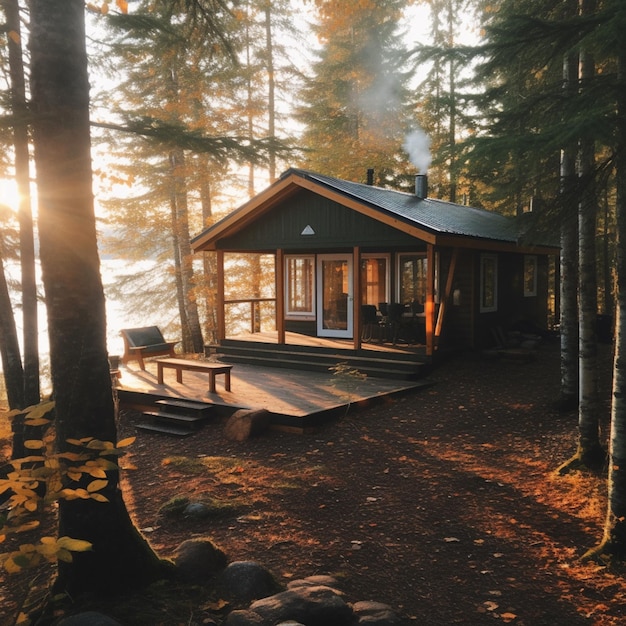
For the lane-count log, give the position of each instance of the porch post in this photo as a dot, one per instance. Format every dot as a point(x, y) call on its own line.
point(356, 297)
point(447, 294)
point(279, 305)
point(429, 308)
point(221, 313)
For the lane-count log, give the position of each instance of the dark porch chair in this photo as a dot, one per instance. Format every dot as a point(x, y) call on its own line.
point(370, 327)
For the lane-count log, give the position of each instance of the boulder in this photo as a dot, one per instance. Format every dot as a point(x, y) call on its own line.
point(313, 606)
point(314, 581)
point(246, 423)
point(197, 560)
point(375, 614)
point(244, 618)
point(245, 581)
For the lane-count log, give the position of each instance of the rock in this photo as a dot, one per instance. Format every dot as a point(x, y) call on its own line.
point(246, 423)
point(314, 581)
point(375, 614)
point(197, 560)
point(244, 618)
point(88, 618)
point(313, 606)
point(246, 581)
point(197, 510)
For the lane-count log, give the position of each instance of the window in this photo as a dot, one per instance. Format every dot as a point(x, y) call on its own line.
point(412, 278)
point(300, 286)
point(530, 275)
point(488, 283)
point(374, 279)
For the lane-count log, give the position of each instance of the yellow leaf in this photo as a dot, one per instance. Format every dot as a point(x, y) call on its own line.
point(64, 555)
point(30, 505)
point(74, 475)
point(126, 442)
point(98, 497)
point(22, 620)
point(37, 421)
point(75, 545)
point(97, 485)
point(48, 540)
point(2, 538)
point(11, 566)
point(122, 5)
point(33, 444)
point(26, 527)
point(38, 410)
point(98, 473)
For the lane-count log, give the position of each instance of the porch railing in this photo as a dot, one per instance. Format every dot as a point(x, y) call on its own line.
point(249, 317)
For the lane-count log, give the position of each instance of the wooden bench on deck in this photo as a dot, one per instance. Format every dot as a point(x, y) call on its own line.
point(147, 341)
point(180, 365)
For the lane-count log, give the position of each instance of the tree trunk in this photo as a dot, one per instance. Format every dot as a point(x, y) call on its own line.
point(614, 540)
point(569, 265)
point(192, 332)
point(120, 558)
point(589, 453)
point(271, 88)
point(11, 359)
point(22, 175)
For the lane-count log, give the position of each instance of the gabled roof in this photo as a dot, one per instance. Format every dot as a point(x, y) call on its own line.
point(427, 218)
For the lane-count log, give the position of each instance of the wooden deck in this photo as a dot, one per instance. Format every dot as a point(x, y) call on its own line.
point(297, 339)
point(299, 399)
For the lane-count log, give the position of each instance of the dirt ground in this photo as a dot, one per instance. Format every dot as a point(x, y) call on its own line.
point(442, 503)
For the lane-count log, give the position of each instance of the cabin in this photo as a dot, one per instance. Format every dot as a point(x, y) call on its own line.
point(369, 268)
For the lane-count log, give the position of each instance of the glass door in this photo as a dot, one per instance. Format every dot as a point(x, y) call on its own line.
point(334, 295)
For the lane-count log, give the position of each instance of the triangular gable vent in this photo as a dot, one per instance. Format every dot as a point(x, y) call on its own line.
point(308, 231)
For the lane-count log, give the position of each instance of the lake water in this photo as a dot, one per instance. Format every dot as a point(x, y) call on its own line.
point(117, 316)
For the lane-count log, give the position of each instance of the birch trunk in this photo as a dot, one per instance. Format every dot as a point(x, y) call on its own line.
point(613, 542)
point(569, 265)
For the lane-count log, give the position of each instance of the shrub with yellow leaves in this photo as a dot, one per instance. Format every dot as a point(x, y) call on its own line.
point(48, 476)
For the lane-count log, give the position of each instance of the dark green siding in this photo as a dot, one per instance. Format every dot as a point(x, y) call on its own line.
point(335, 226)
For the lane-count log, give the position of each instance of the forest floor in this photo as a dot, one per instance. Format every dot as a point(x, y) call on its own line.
point(443, 503)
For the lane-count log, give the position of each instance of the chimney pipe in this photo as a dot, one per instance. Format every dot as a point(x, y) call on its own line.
point(370, 176)
point(421, 186)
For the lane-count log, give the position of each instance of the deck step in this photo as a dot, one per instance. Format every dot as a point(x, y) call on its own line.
point(164, 416)
point(376, 372)
point(177, 417)
point(185, 407)
point(399, 365)
point(166, 429)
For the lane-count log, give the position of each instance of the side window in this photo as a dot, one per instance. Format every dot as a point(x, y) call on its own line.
point(300, 286)
point(488, 283)
point(530, 275)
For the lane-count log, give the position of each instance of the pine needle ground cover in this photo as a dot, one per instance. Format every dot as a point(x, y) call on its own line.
point(444, 503)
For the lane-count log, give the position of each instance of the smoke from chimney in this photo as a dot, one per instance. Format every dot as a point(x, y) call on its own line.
point(417, 146)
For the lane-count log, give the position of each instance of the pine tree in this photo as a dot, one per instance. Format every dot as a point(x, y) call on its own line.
point(355, 103)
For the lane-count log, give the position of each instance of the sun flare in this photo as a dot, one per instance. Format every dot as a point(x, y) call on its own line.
point(9, 195)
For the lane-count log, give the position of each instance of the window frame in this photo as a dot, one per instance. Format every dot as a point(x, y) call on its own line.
point(300, 314)
point(528, 260)
point(488, 258)
point(378, 255)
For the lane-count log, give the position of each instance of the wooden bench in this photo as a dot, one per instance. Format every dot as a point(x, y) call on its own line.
point(180, 365)
point(147, 341)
